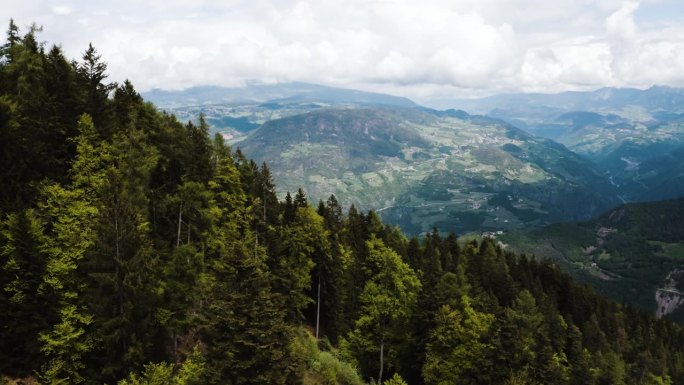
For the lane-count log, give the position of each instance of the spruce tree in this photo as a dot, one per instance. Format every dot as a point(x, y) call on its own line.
point(25, 311)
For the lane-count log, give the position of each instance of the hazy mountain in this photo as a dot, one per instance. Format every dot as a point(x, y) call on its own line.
point(635, 136)
point(234, 112)
point(261, 93)
point(634, 253)
point(422, 168)
point(655, 98)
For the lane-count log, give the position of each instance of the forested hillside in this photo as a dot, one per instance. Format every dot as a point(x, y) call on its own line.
point(632, 253)
point(134, 249)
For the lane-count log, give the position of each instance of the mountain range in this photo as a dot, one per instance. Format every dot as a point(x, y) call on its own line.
point(532, 159)
point(635, 136)
point(296, 92)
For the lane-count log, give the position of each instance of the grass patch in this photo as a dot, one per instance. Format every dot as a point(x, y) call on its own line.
point(670, 250)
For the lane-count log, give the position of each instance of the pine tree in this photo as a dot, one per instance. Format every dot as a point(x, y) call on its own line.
point(520, 327)
point(303, 241)
point(126, 101)
point(458, 349)
point(72, 212)
point(25, 311)
point(64, 104)
point(11, 178)
point(245, 328)
point(198, 167)
point(121, 290)
point(6, 51)
point(288, 209)
point(92, 72)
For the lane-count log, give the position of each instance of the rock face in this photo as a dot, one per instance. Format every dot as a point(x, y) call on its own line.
point(668, 297)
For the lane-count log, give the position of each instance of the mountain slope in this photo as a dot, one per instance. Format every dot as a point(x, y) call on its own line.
point(636, 136)
point(234, 112)
point(424, 168)
point(634, 253)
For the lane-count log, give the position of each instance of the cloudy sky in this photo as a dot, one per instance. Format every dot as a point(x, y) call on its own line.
point(421, 49)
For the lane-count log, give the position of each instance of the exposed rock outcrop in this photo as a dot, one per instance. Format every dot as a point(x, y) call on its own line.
point(669, 298)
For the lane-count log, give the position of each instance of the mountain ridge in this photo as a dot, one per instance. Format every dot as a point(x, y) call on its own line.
point(261, 93)
point(580, 100)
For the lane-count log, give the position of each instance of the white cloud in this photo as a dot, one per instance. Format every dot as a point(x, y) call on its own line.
point(62, 9)
point(621, 32)
point(418, 49)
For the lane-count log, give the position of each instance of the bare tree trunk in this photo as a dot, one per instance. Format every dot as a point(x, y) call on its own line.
point(318, 304)
point(117, 263)
point(175, 349)
point(256, 242)
point(382, 359)
point(180, 220)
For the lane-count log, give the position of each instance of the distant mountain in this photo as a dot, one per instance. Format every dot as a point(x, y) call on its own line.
point(635, 136)
point(634, 253)
point(234, 112)
point(656, 98)
point(275, 93)
point(422, 168)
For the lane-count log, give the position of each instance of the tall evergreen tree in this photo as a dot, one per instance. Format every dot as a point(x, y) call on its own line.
point(92, 72)
point(246, 321)
point(458, 349)
point(24, 311)
point(72, 212)
point(123, 259)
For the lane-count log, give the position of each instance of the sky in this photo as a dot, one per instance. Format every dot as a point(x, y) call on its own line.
point(425, 50)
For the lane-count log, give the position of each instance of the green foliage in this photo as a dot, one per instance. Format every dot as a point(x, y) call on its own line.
point(25, 310)
point(458, 347)
point(66, 346)
point(323, 367)
point(190, 372)
point(395, 380)
point(152, 374)
point(386, 302)
point(303, 241)
point(72, 213)
point(246, 324)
